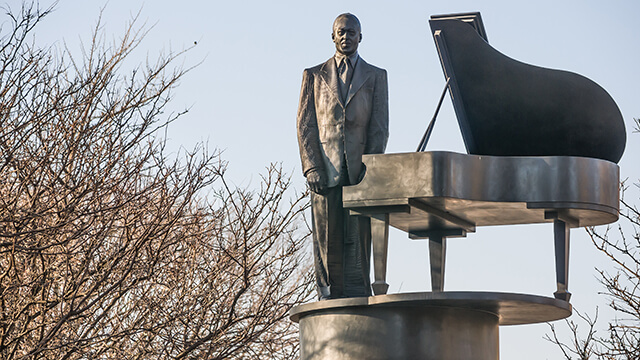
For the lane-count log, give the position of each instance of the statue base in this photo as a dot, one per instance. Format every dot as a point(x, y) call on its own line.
point(429, 325)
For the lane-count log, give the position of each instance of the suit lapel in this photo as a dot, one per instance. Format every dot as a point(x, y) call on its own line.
point(329, 75)
point(360, 76)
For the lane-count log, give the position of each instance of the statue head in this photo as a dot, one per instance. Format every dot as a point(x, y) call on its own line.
point(346, 33)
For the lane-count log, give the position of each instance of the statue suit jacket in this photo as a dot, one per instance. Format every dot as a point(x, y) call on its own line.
point(331, 131)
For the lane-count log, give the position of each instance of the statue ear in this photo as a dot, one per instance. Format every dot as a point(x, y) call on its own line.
point(360, 38)
point(333, 36)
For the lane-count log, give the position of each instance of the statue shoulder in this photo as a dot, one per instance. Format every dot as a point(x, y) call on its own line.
point(318, 68)
point(372, 67)
point(379, 72)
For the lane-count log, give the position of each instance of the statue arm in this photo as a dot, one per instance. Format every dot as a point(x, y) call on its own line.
point(308, 136)
point(378, 131)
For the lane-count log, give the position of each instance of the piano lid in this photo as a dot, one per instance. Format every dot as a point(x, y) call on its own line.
point(508, 108)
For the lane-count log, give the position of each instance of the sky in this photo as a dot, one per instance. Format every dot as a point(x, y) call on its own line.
point(243, 98)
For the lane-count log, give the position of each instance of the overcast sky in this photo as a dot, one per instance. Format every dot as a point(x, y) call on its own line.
point(244, 95)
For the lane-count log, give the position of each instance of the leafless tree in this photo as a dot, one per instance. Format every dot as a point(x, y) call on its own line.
point(622, 287)
point(581, 348)
point(110, 247)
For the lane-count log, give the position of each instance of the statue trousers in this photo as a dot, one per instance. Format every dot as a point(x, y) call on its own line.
point(341, 247)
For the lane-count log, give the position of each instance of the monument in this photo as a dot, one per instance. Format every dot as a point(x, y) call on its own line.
point(343, 114)
point(542, 147)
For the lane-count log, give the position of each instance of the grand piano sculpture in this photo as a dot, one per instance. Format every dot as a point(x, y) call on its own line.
point(542, 147)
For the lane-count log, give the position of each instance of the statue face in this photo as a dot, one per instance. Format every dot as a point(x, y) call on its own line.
point(346, 35)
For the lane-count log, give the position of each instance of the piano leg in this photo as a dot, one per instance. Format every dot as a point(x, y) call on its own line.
point(561, 238)
point(437, 252)
point(380, 242)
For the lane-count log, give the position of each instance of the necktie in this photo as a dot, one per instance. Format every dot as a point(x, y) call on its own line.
point(346, 73)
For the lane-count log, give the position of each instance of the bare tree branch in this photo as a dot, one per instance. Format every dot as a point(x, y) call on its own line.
point(109, 247)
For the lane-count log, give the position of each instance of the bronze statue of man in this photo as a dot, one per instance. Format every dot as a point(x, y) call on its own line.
point(343, 114)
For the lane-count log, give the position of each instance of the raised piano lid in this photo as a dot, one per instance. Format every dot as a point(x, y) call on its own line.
point(508, 108)
point(444, 190)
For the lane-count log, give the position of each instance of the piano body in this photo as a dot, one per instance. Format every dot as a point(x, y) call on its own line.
point(542, 147)
point(441, 194)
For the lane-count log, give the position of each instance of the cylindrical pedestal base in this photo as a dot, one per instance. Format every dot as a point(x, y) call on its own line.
point(417, 326)
point(400, 333)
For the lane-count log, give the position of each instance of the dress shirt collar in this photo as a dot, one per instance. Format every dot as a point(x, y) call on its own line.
point(353, 58)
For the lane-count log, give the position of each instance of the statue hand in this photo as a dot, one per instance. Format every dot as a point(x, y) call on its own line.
point(316, 182)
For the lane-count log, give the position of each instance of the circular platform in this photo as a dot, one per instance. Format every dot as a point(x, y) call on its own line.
point(510, 308)
point(428, 325)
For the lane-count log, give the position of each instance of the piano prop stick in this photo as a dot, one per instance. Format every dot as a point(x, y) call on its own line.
point(427, 134)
